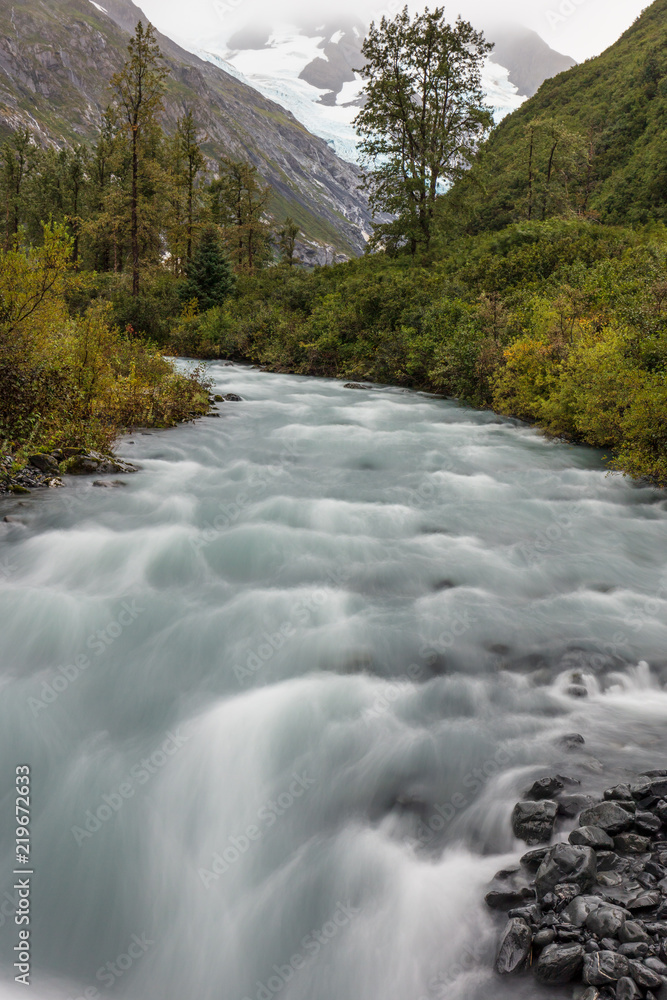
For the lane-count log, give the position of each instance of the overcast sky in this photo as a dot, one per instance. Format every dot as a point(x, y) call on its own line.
point(579, 28)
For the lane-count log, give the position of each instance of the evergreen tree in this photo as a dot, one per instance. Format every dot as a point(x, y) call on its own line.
point(287, 237)
point(239, 202)
point(137, 100)
point(210, 279)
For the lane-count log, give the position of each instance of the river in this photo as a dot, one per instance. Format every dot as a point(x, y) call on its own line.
point(279, 694)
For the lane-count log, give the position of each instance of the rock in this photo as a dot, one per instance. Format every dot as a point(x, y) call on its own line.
point(559, 964)
point(531, 914)
point(572, 805)
point(533, 822)
point(533, 859)
point(646, 822)
point(109, 484)
point(591, 836)
point(608, 944)
point(565, 893)
point(566, 863)
point(571, 741)
point(658, 785)
point(627, 990)
point(16, 488)
point(45, 463)
point(657, 966)
point(544, 937)
point(645, 901)
point(90, 463)
point(591, 994)
point(356, 385)
point(505, 899)
point(545, 788)
point(661, 811)
point(633, 930)
point(8, 519)
point(604, 967)
point(641, 787)
point(610, 816)
point(231, 397)
point(609, 879)
point(632, 843)
point(578, 910)
point(606, 921)
point(591, 946)
point(645, 977)
point(514, 948)
point(619, 792)
point(610, 861)
point(218, 398)
point(634, 949)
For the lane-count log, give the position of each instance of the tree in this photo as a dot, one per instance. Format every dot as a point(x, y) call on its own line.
point(193, 163)
point(239, 202)
point(137, 99)
point(424, 117)
point(209, 275)
point(18, 158)
point(287, 237)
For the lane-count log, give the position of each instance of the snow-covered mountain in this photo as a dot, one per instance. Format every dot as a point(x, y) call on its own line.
point(309, 68)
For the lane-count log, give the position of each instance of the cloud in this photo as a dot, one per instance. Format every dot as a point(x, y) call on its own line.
point(580, 28)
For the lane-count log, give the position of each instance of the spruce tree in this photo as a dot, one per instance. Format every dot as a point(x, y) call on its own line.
point(210, 279)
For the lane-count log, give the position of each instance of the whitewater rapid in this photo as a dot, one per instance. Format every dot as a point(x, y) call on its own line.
point(280, 693)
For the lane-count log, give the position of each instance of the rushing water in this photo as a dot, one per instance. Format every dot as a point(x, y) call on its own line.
point(280, 694)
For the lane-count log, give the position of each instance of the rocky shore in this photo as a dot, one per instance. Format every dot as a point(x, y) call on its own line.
point(591, 911)
point(45, 470)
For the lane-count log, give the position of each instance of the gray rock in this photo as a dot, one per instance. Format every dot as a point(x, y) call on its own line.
point(591, 836)
point(658, 786)
point(609, 879)
point(533, 859)
point(591, 994)
point(8, 519)
point(645, 901)
point(231, 397)
point(566, 863)
point(619, 793)
point(559, 964)
point(545, 788)
point(633, 949)
point(627, 989)
point(109, 484)
point(609, 816)
point(544, 937)
point(606, 921)
point(572, 805)
point(533, 822)
point(646, 822)
point(657, 966)
point(505, 899)
point(604, 967)
point(645, 977)
point(633, 930)
point(579, 909)
point(514, 948)
point(632, 843)
point(571, 741)
point(45, 463)
point(641, 787)
point(356, 385)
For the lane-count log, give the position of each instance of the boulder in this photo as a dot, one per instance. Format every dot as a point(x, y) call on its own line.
point(545, 788)
point(604, 967)
point(646, 822)
point(566, 863)
point(620, 793)
point(231, 397)
point(633, 949)
point(505, 899)
point(559, 964)
point(571, 741)
point(633, 930)
point(627, 989)
point(514, 948)
point(645, 901)
point(579, 909)
point(632, 843)
point(609, 816)
point(591, 994)
point(45, 463)
point(644, 976)
point(572, 805)
point(606, 921)
point(591, 836)
point(355, 385)
point(533, 859)
point(533, 822)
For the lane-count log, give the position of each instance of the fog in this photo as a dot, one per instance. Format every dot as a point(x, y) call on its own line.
point(579, 28)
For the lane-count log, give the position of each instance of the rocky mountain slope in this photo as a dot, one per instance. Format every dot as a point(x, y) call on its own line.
point(56, 60)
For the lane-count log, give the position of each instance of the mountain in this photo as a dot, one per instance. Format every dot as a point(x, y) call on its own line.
point(309, 68)
point(56, 61)
point(611, 159)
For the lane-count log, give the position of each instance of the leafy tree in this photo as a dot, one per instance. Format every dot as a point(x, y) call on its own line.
point(423, 119)
point(239, 203)
point(137, 100)
point(209, 275)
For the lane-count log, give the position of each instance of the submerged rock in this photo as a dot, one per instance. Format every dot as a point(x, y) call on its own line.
point(533, 822)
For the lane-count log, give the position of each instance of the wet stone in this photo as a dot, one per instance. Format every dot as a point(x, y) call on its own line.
point(619, 792)
point(604, 967)
point(515, 947)
point(559, 964)
point(627, 989)
point(506, 899)
point(606, 921)
point(533, 822)
point(566, 863)
point(591, 836)
point(647, 901)
point(580, 908)
point(544, 937)
point(635, 949)
point(572, 805)
point(645, 977)
point(533, 859)
point(609, 816)
point(646, 822)
point(545, 788)
point(633, 930)
point(632, 843)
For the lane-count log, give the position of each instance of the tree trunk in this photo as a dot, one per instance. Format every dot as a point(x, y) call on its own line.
point(135, 215)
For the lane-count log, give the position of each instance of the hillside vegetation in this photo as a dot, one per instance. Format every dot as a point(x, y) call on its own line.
point(592, 142)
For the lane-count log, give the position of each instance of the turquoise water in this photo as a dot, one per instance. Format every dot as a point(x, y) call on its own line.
point(281, 692)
